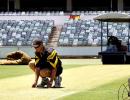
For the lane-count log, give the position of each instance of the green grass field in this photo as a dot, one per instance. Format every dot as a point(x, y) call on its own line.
point(107, 91)
point(7, 71)
point(83, 79)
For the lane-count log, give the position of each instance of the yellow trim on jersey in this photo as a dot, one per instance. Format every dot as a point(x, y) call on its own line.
point(51, 56)
point(36, 60)
point(54, 64)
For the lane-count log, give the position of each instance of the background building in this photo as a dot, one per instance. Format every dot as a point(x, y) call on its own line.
point(64, 5)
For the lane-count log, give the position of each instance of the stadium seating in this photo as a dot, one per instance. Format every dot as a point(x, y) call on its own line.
point(88, 32)
point(33, 13)
point(78, 32)
point(22, 32)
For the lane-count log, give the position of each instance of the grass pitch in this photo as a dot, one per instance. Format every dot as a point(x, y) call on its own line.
point(83, 79)
point(7, 71)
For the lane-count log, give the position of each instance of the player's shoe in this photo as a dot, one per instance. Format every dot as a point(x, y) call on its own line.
point(44, 82)
point(58, 82)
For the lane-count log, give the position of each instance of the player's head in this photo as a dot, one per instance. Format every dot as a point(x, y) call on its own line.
point(38, 44)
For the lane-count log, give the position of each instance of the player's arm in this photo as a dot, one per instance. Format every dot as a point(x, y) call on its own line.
point(52, 77)
point(37, 71)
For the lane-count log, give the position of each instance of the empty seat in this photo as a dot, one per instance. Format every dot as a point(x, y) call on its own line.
point(22, 32)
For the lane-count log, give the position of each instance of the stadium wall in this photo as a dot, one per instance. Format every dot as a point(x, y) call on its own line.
point(62, 51)
point(59, 20)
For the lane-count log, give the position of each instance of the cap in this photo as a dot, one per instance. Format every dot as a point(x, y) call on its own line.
point(37, 42)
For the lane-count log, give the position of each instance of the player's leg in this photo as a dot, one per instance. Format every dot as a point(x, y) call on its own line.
point(44, 73)
point(58, 78)
point(32, 65)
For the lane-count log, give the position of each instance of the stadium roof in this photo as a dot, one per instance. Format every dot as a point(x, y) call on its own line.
point(113, 17)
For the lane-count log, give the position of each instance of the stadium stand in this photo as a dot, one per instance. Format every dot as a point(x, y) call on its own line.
point(17, 29)
point(79, 32)
point(33, 13)
point(83, 34)
point(22, 32)
point(88, 32)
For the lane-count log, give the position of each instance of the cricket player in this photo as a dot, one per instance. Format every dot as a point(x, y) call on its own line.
point(47, 65)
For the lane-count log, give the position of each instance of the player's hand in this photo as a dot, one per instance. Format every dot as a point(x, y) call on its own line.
point(34, 85)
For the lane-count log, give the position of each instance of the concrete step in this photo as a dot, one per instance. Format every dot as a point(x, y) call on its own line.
point(53, 39)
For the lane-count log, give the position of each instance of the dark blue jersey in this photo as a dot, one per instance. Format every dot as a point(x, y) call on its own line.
point(47, 59)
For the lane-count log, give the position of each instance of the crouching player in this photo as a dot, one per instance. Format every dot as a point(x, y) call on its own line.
point(47, 65)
